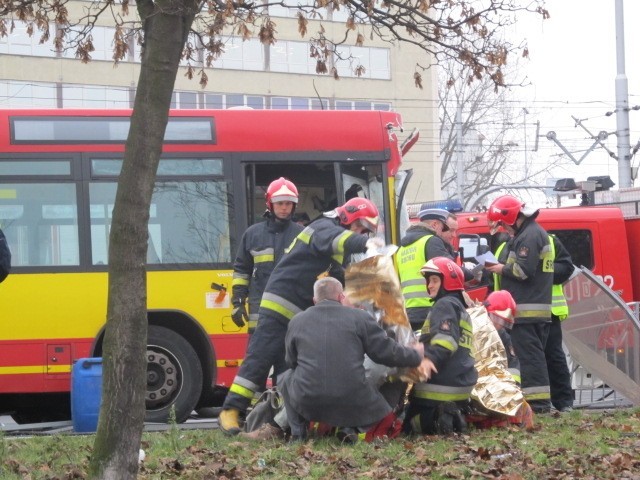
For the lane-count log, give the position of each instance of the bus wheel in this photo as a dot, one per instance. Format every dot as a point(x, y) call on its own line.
point(174, 376)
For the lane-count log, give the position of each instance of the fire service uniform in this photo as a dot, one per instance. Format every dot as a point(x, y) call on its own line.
point(319, 248)
point(261, 248)
point(528, 276)
point(435, 406)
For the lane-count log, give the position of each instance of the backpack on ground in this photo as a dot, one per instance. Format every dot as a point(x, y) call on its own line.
point(5, 257)
point(265, 410)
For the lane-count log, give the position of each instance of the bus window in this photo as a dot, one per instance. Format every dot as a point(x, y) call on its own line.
point(188, 224)
point(189, 220)
point(41, 224)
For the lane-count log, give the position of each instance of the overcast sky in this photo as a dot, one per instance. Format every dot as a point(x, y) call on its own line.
point(573, 71)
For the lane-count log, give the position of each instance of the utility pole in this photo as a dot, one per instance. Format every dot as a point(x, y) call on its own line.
point(459, 155)
point(622, 104)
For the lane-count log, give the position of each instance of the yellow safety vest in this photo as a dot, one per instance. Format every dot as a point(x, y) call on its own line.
point(559, 306)
point(410, 260)
point(496, 277)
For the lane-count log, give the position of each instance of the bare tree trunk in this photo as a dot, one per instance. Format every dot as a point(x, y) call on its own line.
point(115, 454)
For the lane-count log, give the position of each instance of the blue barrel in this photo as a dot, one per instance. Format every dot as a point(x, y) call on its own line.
point(86, 390)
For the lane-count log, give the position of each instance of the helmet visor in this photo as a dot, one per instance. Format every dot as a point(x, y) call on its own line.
point(494, 226)
point(370, 223)
point(503, 318)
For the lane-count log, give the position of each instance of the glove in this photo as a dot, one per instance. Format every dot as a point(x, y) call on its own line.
point(239, 315)
point(476, 269)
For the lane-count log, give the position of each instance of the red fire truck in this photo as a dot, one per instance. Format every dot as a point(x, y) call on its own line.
point(603, 324)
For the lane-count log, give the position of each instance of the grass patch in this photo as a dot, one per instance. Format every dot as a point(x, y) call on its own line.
point(601, 444)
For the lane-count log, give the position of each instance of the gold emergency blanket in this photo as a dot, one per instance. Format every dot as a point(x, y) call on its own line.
point(374, 279)
point(373, 284)
point(496, 390)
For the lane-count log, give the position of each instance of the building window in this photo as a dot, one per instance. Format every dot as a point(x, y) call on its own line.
point(292, 12)
point(88, 96)
point(20, 43)
point(22, 94)
point(257, 103)
point(279, 103)
point(374, 60)
point(362, 105)
point(291, 57)
point(241, 55)
point(213, 101)
point(102, 39)
point(320, 104)
point(220, 101)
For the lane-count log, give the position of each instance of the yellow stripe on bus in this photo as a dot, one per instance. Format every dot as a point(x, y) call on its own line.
point(34, 369)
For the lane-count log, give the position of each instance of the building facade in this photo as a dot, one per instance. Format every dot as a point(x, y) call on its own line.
point(248, 73)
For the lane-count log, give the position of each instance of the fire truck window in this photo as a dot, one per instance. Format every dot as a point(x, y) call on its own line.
point(579, 244)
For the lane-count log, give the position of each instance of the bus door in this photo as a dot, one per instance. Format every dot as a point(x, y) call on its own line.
point(322, 186)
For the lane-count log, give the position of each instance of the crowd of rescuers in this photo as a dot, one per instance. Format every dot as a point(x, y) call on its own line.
point(315, 341)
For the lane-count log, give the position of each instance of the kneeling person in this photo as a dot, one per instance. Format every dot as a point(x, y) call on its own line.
point(435, 405)
point(325, 349)
point(501, 308)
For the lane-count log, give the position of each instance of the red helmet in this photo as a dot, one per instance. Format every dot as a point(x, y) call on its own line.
point(362, 209)
point(281, 190)
point(448, 270)
point(504, 210)
point(502, 306)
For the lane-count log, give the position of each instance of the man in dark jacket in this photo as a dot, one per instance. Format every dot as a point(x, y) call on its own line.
point(526, 271)
point(559, 375)
point(324, 246)
point(261, 247)
point(5, 257)
point(325, 349)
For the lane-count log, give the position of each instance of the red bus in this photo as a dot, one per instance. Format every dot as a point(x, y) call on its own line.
point(58, 176)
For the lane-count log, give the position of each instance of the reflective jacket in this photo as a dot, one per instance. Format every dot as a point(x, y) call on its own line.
point(416, 247)
point(447, 337)
point(410, 260)
point(261, 248)
point(528, 272)
point(562, 270)
point(320, 248)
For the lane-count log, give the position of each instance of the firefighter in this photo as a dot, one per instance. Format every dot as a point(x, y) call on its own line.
point(501, 308)
point(421, 243)
point(560, 388)
point(527, 273)
point(261, 247)
point(430, 238)
point(324, 246)
point(436, 406)
point(559, 375)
